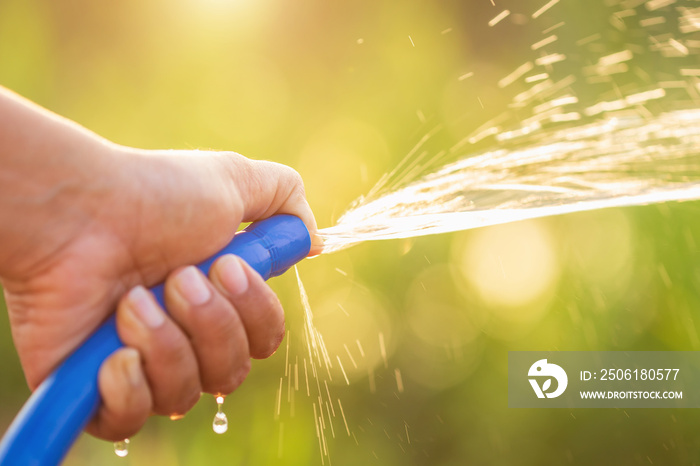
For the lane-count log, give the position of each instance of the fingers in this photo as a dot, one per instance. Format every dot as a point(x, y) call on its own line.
point(268, 188)
point(205, 344)
point(256, 303)
point(214, 328)
point(167, 356)
point(126, 399)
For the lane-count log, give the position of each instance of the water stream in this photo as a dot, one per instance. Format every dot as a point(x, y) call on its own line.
point(591, 123)
point(613, 162)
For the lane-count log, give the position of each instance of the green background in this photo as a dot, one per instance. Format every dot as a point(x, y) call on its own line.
point(338, 91)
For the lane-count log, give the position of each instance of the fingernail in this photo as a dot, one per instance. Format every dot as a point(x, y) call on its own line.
point(145, 308)
point(132, 368)
point(190, 284)
point(232, 275)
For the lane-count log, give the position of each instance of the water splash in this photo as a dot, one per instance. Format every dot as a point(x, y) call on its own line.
point(591, 123)
point(614, 162)
point(220, 423)
point(319, 359)
point(121, 448)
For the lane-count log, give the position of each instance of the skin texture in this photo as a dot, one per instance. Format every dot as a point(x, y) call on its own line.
point(86, 226)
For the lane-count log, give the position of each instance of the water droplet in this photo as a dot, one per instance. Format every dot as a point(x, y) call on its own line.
point(220, 424)
point(176, 417)
point(121, 448)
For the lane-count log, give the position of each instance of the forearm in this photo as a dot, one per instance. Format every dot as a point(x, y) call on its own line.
point(44, 160)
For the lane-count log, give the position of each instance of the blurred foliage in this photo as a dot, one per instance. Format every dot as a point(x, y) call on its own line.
point(341, 91)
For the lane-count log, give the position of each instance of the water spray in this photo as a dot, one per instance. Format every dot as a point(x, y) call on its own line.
point(56, 413)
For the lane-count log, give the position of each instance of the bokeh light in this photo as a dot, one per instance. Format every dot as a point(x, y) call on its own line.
point(511, 266)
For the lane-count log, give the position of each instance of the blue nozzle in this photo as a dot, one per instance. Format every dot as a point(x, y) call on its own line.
point(56, 413)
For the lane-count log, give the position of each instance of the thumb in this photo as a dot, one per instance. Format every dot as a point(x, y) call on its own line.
point(268, 188)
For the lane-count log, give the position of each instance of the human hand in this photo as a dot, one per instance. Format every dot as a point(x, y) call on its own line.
point(101, 222)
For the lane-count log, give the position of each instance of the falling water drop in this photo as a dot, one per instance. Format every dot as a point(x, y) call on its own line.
point(220, 424)
point(121, 448)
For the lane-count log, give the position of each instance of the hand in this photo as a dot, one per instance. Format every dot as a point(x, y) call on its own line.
point(96, 224)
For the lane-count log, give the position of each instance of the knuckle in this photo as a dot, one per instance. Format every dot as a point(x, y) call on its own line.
point(214, 313)
point(297, 183)
point(234, 160)
point(237, 166)
point(295, 177)
point(173, 346)
point(215, 325)
point(299, 193)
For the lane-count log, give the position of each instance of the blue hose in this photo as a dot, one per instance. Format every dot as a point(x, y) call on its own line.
point(57, 412)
